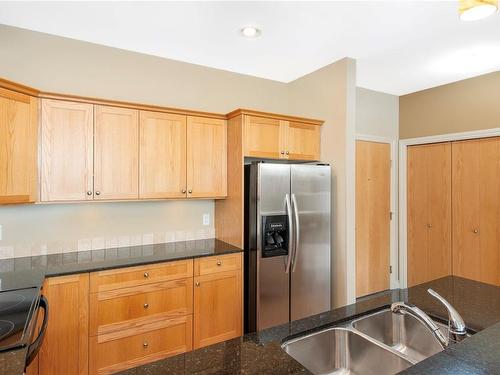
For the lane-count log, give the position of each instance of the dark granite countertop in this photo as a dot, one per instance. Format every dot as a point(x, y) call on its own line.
point(261, 353)
point(98, 260)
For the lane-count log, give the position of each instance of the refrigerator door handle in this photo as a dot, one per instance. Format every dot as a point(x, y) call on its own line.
point(296, 230)
point(288, 260)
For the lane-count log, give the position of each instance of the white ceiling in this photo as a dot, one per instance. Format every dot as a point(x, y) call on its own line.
point(400, 46)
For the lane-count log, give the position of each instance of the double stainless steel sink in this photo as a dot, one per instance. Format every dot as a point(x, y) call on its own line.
point(380, 343)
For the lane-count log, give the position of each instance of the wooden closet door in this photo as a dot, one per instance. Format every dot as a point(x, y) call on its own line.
point(476, 210)
point(162, 157)
point(18, 147)
point(206, 157)
point(263, 137)
point(67, 151)
point(373, 226)
point(429, 212)
point(116, 153)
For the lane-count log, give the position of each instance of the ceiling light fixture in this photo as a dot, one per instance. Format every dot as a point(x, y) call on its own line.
point(473, 10)
point(250, 32)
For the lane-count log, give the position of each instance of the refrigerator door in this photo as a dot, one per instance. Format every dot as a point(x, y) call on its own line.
point(273, 294)
point(310, 271)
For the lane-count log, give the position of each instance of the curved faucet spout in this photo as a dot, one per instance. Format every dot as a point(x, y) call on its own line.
point(403, 308)
point(456, 324)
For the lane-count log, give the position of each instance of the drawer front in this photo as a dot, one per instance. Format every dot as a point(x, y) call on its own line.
point(214, 264)
point(126, 307)
point(111, 353)
point(141, 275)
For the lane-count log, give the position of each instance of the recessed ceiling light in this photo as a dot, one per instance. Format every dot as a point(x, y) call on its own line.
point(473, 10)
point(250, 32)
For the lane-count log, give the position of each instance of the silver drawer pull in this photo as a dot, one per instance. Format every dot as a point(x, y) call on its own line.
point(145, 345)
point(146, 275)
point(146, 305)
point(219, 263)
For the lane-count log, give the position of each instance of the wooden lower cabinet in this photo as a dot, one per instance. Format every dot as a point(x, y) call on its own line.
point(217, 304)
point(65, 347)
point(123, 349)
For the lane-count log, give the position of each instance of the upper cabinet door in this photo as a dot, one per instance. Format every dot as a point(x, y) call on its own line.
point(18, 147)
point(162, 155)
point(206, 157)
point(67, 148)
point(262, 137)
point(302, 141)
point(116, 153)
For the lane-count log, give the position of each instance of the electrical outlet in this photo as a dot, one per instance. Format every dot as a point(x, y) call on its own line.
point(206, 219)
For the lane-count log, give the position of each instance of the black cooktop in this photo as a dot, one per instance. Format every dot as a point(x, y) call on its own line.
point(16, 309)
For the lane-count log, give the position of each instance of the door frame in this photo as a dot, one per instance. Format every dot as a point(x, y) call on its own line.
point(393, 247)
point(403, 218)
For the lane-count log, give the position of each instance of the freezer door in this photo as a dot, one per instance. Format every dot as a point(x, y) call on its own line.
point(310, 273)
point(273, 287)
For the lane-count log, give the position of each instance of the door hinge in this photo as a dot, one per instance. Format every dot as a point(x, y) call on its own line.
point(390, 215)
point(390, 269)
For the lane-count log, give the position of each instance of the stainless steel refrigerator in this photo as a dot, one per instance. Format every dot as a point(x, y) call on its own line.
point(287, 243)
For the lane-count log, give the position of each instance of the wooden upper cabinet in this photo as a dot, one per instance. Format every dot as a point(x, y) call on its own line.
point(18, 147)
point(302, 140)
point(262, 137)
point(116, 153)
point(162, 156)
point(206, 157)
point(272, 138)
point(67, 151)
point(65, 346)
point(476, 209)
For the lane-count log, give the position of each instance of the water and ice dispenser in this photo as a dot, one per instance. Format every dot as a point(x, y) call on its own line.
point(274, 236)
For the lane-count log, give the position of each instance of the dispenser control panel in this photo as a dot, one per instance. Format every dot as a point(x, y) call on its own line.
point(274, 236)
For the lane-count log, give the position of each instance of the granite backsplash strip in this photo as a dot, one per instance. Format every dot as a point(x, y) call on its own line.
point(27, 249)
point(94, 260)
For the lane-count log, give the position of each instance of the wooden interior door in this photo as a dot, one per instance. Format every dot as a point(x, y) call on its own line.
point(116, 153)
point(429, 212)
point(217, 308)
point(206, 157)
point(302, 141)
point(65, 346)
point(476, 210)
point(67, 151)
point(18, 147)
point(162, 155)
point(373, 197)
point(262, 137)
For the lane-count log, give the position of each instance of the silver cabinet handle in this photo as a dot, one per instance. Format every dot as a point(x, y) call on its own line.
point(288, 207)
point(287, 153)
point(146, 305)
point(219, 263)
point(297, 232)
point(89, 192)
point(97, 193)
point(183, 191)
point(282, 152)
point(146, 274)
point(145, 345)
point(197, 283)
point(476, 231)
point(429, 225)
point(190, 191)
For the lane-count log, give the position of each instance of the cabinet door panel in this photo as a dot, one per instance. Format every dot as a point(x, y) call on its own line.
point(162, 155)
point(18, 147)
point(67, 151)
point(116, 153)
point(65, 346)
point(217, 308)
point(206, 157)
point(302, 141)
point(262, 137)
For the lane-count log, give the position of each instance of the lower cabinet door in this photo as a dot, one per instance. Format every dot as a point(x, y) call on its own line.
point(120, 350)
point(217, 308)
point(65, 346)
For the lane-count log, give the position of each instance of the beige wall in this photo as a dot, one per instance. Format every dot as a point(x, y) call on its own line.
point(329, 94)
point(471, 104)
point(62, 65)
point(377, 114)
